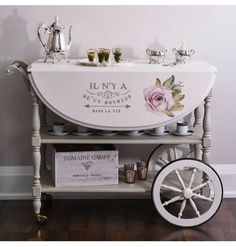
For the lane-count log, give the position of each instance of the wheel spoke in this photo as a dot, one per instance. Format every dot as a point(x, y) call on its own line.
point(182, 208)
point(194, 207)
point(188, 154)
point(171, 188)
point(175, 153)
point(164, 160)
point(180, 179)
point(174, 199)
point(201, 186)
point(192, 178)
point(203, 197)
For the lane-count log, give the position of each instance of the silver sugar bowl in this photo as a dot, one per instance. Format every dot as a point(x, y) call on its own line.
point(156, 56)
point(183, 55)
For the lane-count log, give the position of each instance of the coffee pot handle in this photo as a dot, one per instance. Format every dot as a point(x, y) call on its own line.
point(174, 50)
point(39, 35)
point(192, 51)
point(148, 52)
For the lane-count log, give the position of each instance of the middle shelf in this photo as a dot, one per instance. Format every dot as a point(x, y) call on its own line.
point(195, 138)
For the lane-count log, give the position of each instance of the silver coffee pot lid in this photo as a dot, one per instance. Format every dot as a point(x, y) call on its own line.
point(55, 25)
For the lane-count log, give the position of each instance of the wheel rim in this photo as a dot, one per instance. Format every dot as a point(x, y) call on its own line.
point(186, 204)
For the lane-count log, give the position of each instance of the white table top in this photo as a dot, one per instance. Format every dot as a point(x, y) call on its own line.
point(122, 97)
point(135, 66)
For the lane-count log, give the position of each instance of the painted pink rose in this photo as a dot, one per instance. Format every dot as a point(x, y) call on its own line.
point(158, 99)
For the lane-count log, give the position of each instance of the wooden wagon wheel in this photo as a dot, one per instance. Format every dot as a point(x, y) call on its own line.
point(163, 154)
point(189, 202)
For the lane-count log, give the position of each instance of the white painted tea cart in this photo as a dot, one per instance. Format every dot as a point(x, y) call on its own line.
point(185, 190)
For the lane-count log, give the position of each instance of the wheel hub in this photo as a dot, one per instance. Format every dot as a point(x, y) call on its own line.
point(187, 193)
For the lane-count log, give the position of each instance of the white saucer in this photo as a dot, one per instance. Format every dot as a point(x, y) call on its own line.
point(122, 63)
point(106, 134)
point(149, 132)
point(82, 133)
point(189, 133)
point(86, 62)
point(139, 133)
point(50, 132)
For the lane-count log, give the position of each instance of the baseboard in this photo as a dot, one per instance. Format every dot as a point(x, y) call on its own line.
point(16, 171)
point(15, 183)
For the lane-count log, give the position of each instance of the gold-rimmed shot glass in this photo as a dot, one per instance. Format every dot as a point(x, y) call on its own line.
point(117, 54)
point(101, 54)
point(91, 54)
point(107, 54)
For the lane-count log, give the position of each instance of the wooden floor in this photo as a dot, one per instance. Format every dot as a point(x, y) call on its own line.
point(108, 220)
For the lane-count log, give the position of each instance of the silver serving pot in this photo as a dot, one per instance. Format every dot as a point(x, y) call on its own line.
point(183, 55)
point(55, 47)
point(156, 56)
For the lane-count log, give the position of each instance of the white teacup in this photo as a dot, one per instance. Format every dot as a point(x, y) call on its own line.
point(81, 129)
point(58, 127)
point(132, 132)
point(159, 130)
point(182, 128)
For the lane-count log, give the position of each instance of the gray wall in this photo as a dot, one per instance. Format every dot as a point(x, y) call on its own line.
point(210, 30)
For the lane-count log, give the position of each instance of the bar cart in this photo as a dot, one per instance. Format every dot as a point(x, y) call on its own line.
point(185, 190)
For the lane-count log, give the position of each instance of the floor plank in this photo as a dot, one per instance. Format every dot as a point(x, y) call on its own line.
point(118, 220)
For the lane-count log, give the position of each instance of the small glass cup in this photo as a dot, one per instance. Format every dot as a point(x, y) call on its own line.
point(117, 54)
point(141, 164)
point(130, 176)
point(128, 167)
point(101, 54)
point(91, 54)
point(106, 54)
point(142, 173)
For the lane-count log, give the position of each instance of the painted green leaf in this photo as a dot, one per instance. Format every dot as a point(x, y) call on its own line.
point(176, 87)
point(179, 97)
point(169, 113)
point(177, 107)
point(175, 93)
point(169, 82)
point(158, 82)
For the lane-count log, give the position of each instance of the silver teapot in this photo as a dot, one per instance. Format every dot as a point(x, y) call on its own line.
point(56, 47)
point(156, 56)
point(183, 55)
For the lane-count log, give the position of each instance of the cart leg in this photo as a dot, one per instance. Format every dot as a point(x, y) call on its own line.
point(206, 142)
point(197, 124)
point(44, 124)
point(36, 143)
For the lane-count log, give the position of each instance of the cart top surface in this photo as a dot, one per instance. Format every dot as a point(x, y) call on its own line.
point(132, 66)
point(123, 97)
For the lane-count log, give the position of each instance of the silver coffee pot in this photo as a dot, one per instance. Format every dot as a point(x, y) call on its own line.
point(55, 47)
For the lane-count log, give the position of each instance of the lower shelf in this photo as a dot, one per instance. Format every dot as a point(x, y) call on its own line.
point(122, 187)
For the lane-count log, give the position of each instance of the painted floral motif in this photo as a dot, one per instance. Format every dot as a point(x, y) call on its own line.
point(164, 98)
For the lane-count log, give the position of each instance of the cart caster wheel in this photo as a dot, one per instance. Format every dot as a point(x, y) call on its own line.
point(41, 219)
point(46, 199)
point(182, 197)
